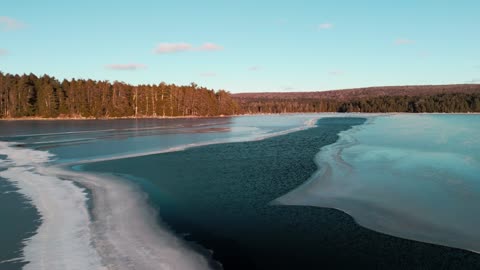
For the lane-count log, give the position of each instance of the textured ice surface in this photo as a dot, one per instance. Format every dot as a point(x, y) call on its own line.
point(412, 176)
point(63, 240)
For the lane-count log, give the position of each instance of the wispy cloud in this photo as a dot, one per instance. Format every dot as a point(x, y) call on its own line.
point(163, 48)
point(404, 41)
point(166, 48)
point(254, 68)
point(210, 47)
point(336, 72)
point(3, 52)
point(126, 66)
point(208, 74)
point(10, 24)
point(474, 81)
point(324, 26)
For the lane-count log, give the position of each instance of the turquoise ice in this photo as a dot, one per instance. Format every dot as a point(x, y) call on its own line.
point(412, 176)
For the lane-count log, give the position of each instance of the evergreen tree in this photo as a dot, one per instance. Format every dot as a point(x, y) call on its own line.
point(30, 96)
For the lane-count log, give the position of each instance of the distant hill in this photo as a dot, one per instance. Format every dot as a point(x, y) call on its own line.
point(427, 98)
point(368, 92)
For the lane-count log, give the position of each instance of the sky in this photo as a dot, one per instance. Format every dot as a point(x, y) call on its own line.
point(245, 46)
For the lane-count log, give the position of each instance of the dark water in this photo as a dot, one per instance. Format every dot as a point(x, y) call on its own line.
point(19, 221)
point(219, 197)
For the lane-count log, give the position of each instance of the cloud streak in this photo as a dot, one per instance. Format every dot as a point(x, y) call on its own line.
point(168, 48)
point(324, 26)
point(254, 68)
point(208, 46)
point(3, 52)
point(125, 66)
point(10, 24)
point(164, 48)
point(404, 41)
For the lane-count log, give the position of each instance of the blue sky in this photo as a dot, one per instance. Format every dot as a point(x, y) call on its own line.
point(245, 46)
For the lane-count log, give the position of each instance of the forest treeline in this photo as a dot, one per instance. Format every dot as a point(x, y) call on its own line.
point(442, 103)
point(47, 97)
point(452, 98)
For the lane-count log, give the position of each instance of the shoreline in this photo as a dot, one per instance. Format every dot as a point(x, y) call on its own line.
point(220, 116)
point(108, 118)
